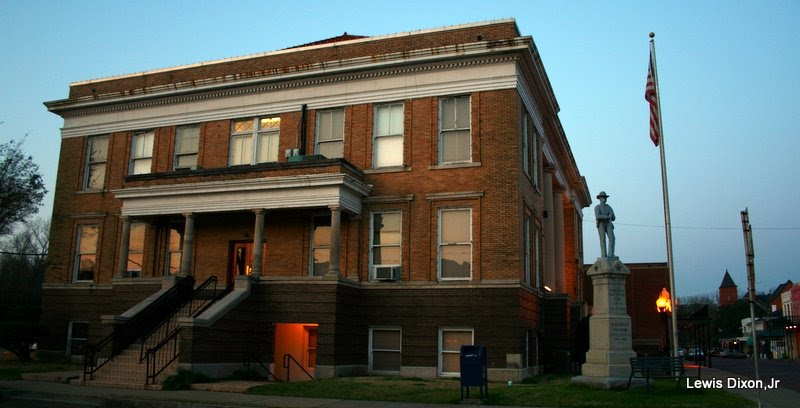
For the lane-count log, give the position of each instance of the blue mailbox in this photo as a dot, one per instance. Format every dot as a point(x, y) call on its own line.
point(473, 370)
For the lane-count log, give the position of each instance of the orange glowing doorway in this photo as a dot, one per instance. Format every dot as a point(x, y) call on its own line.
point(240, 256)
point(295, 351)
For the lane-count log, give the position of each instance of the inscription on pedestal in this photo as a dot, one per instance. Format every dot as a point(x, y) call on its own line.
point(620, 333)
point(616, 299)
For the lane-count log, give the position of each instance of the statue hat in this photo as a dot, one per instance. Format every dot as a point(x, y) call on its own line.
point(603, 194)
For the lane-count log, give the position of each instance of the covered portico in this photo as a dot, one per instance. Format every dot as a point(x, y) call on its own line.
point(337, 192)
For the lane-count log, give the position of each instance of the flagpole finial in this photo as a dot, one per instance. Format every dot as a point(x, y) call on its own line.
point(652, 34)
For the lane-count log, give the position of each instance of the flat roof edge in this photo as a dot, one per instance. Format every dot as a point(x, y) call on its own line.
point(292, 50)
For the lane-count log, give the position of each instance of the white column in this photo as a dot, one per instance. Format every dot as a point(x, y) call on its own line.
point(188, 245)
point(258, 244)
point(558, 227)
point(549, 229)
point(124, 243)
point(336, 221)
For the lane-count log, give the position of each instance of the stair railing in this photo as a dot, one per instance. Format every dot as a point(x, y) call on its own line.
point(251, 358)
point(201, 298)
point(142, 322)
point(287, 360)
point(166, 336)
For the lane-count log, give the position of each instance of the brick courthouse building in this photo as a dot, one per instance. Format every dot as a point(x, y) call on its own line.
point(406, 194)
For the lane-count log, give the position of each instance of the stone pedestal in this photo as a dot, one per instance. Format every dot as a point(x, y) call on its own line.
point(608, 359)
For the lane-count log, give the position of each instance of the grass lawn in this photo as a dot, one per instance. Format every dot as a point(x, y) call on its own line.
point(13, 369)
point(549, 391)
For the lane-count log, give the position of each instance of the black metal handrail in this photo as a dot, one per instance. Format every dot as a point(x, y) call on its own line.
point(287, 358)
point(161, 356)
point(166, 350)
point(251, 357)
point(202, 297)
point(142, 322)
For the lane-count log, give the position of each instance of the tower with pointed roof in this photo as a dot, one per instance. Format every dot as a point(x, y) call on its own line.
point(728, 291)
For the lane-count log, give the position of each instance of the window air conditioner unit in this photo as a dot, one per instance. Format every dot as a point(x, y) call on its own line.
point(387, 273)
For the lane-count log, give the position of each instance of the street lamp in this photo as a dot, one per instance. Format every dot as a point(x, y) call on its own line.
point(664, 307)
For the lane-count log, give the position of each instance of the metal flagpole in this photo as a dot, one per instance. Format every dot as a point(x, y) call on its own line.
point(751, 288)
point(667, 221)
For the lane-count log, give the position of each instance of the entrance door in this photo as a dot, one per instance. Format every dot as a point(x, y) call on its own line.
point(295, 351)
point(241, 259)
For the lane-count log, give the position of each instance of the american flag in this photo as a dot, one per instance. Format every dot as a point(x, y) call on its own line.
point(651, 96)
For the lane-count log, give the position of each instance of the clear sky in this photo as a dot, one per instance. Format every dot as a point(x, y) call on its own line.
point(728, 70)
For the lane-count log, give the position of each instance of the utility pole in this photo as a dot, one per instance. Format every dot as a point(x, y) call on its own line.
point(751, 287)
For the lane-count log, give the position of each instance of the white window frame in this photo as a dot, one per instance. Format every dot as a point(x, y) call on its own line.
point(78, 254)
point(534, 151)
point(537, 254)
point(319, 131)
point(441, 352)
point(440, 244)
point(90, 163)
point(145, 154)
point(134, 272)
point(71, 339)
point(528, 241)
point(254, 139)
point(180, 228)
point(443, 131)
point(373, 246)
point(378, 138)
point(180, 144)
point(526, 144)
point(372, 349)
point(313, 248)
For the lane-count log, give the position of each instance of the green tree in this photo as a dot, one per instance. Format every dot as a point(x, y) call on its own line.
point(21, 186)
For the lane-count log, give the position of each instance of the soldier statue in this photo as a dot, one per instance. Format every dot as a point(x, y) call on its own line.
point(604, 215)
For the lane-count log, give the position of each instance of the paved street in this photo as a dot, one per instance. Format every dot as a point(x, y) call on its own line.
point(784, 370)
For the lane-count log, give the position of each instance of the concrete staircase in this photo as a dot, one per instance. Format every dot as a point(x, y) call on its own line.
point(125, 371)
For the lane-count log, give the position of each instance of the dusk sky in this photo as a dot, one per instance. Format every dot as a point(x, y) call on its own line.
point(729, 75)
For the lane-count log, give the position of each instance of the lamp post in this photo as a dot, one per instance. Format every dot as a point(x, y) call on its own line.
point(664, 307)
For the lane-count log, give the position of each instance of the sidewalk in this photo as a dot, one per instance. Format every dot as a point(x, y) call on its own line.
point(230, 395)
point(14, 393)
point(774, 398)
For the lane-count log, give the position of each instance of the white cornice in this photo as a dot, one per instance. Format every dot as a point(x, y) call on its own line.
point(450, 77)
point(348, 69)
point(307, 191)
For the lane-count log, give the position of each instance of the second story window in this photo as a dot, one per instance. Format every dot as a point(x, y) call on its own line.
point(330, 133)
point(254, 141)
point(187, 139)
point(142, 152)
point(97, 154)
point(455, 141)
point(388, 136)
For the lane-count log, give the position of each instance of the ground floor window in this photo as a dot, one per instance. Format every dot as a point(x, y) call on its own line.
point(77, 335)
point(450, 342)
point(385, 349)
